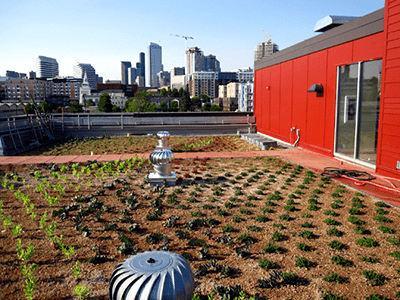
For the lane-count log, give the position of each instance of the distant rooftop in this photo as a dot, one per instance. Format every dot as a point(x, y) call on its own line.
point(330, 22)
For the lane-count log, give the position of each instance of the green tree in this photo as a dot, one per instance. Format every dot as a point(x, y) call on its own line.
point(207, 106)
point(215, 107)
point(181, 91)
point(105, 104)
point(163, 92)
point(75, 107)
point(173, 106)
point(163, 106)
point(196, 102)
point(89, 102)
point(186, 104)
point(175, 93)
point(44, 107)
point(29, 108)
point(116, 108)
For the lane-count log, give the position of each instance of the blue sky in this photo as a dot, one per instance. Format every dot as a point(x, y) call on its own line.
point(104, 32)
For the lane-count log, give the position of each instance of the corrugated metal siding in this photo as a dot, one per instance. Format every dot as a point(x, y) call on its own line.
point(389, 130)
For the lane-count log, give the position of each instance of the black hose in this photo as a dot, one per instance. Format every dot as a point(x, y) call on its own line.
point(354, 174)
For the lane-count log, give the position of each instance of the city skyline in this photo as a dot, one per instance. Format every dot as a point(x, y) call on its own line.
point(104, 33)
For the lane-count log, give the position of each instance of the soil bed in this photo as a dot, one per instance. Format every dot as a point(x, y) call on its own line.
point(143, 144)
point(224, 215)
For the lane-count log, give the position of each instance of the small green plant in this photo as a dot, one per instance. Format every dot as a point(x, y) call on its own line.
point(375, 279)
point(328, 295)
point(338, 260)
point(253, 228)
point(381, 211)
point(354, 211)
point(356, 221)
point(360, 230)
point(394, 241)
point(381, 204)
point(369, 259)
point(266, 264)
point(386, 229)
point(306, 234)
point(277, 236)
point(303, 262)
point(382, 219)
point(336, 245)
point(290, 279)
point(313, 207)
point(332, 277)
point(331, 221)
point(334, 232)
point(395, 254)
point(76, 271)
point(261, 218)
point(246, 238)
point(285, 217)
point(306, 215)
point(303, 246)
point(236, 219)
point(367, 242)
point(228, 228)
point(272, 248)
point(376, 297)
point(81, 292)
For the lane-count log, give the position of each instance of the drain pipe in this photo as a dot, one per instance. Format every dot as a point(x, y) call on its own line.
point(298, 138)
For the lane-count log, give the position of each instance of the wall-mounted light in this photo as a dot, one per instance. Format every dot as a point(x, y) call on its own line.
point(318, 88)
point(268, 87)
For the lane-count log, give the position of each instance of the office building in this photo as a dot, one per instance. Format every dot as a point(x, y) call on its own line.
point(203, 83)
point(46, 67)
point(125, 65)
point(164, 78)
point(79, 72)
point(154, 65)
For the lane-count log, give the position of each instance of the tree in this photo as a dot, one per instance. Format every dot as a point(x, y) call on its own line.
point(89, 102)
point(207, 106)
point(44, 107)
point(138, 105)
point(181, 91)
point(163, 92)
point(29, 108)
point(163, 106)
point(175, 93)
point(215, 107)
point(116, 108)
point(196, 102)
point(186, 104)
point(173, 106)
point(105, 104)
point(75, 107)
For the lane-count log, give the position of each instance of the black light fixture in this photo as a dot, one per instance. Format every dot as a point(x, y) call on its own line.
point(318, 88)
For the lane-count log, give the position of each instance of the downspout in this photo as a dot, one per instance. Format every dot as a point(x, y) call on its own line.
point(293, 129)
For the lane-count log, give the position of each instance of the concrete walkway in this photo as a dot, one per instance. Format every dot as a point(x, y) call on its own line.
point(383, 188)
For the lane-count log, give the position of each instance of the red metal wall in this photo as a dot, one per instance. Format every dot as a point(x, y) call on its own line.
point(389, 122)
point(281, 100)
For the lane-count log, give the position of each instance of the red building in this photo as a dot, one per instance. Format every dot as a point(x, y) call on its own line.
point(338, 93)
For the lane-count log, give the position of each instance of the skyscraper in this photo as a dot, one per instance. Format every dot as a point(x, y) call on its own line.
point(80, 70)
point(46, 67)
point(154, 65)
point(142, 66)
point(125, 65)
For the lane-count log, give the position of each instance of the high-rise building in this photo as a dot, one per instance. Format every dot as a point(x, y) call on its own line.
point(164, 78)
point(265, 49)
point(125, 65)
point(154, 65)
point(79, 72)
point(142, 66)
point(132, 74)
point(196, 61)
point(46, 67)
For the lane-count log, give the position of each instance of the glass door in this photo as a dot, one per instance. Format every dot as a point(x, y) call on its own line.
point(357, 112)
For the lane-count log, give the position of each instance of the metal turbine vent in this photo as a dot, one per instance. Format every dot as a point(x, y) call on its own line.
point(152, 275)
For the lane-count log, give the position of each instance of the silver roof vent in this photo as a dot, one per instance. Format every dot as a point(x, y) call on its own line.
point(330, 22)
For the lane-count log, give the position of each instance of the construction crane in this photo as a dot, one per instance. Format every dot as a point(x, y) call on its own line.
point(185, 37)
point(268, 38)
